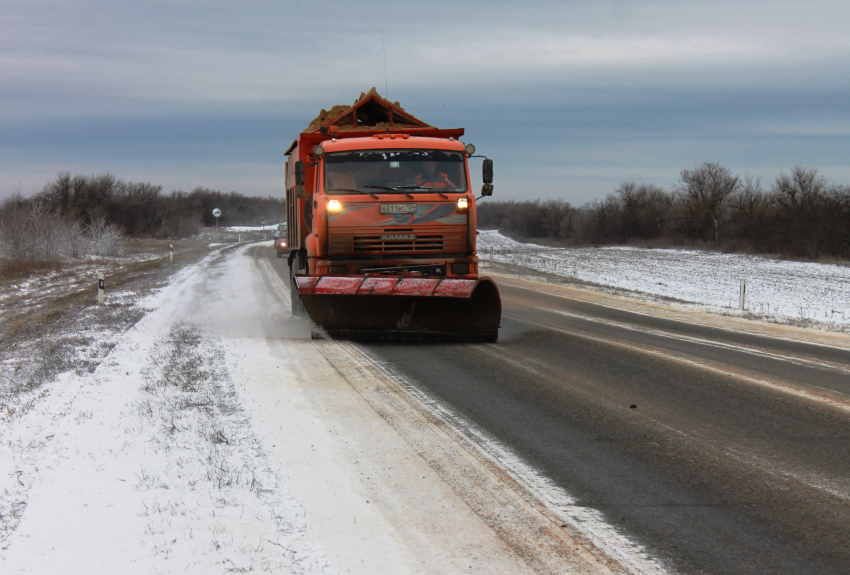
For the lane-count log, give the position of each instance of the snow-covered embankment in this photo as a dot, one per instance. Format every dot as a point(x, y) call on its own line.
point(775, 288)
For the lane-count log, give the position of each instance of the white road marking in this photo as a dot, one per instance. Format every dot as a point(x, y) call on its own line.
point(796, 359)
point(835, 487)
point(822, 398)
point(629, 554)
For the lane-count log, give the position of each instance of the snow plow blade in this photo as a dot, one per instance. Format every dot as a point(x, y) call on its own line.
point(403, 308)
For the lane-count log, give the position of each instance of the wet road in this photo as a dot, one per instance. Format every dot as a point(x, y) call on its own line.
point(719, 451)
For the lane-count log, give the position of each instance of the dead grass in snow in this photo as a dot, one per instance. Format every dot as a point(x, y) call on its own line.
point(50, 321)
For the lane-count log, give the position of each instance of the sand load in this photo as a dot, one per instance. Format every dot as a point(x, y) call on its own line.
point(370, 111)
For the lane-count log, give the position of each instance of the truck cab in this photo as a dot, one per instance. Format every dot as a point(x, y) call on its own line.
point(391, 202)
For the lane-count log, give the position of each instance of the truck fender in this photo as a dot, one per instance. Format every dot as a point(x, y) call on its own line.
point(312, 252)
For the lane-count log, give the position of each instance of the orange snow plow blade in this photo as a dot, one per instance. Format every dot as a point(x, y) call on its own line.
point(403, 307)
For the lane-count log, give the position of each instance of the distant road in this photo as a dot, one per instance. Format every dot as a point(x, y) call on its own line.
point(720, 451)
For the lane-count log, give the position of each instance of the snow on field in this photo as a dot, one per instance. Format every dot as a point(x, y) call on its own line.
point(777, 288)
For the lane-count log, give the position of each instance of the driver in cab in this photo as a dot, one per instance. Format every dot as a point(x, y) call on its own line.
point(431, 178)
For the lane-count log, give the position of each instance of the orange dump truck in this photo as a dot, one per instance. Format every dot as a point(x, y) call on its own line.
point(382, 228)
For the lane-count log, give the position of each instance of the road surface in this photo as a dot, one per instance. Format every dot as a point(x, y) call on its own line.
point(717, 450)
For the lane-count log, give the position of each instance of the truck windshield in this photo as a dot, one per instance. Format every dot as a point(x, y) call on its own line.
point(394, 171)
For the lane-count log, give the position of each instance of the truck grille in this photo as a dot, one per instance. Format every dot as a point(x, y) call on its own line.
point(420, 244)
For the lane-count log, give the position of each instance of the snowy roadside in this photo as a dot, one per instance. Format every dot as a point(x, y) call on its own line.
point(49, 323)
point(147, 464)
point(215, 437)
point(811, 294)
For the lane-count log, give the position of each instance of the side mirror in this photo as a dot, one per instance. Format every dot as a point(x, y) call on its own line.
point(487, 171)
point(300, 173)
point(487, 190)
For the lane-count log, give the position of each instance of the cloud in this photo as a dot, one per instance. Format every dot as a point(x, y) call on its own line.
point(617, 87)
point(87, 57)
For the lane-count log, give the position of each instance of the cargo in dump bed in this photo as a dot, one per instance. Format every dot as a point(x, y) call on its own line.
point(382, 227)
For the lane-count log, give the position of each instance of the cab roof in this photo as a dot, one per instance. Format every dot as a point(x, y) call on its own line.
point(392, 142)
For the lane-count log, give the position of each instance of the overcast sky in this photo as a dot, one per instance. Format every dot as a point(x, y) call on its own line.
point(568, 98)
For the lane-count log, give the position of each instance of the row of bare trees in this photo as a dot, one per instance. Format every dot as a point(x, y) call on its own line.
point(142, 209)
point(74, 216)
point(801, 214)
point(31, 231)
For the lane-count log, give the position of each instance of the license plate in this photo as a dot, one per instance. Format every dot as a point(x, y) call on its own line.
point(397, 237)
point(398, 208)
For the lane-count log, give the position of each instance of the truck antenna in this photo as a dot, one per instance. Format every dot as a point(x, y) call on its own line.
point(450, 116)
point(386, 88)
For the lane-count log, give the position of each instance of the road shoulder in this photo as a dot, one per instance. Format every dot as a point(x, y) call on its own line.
point(374, 503)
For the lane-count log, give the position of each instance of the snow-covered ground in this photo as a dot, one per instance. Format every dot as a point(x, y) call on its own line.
point(148, 464)
point(775, 288)
point(267, 228)
point(212, 436)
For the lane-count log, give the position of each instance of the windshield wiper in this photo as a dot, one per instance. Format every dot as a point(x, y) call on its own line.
point(354, 191)
point(422, 188)
point(389, 189)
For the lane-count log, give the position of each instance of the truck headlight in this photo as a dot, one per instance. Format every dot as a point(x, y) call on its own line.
point(462, 203)
point(334, 205)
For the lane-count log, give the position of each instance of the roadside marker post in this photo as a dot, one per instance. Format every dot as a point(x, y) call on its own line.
point(170, 252)
point(101, 288)
point(742, 295)
point(217, 214)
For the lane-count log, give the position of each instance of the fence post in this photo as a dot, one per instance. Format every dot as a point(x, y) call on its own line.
point(101, 288)
point(742, 295)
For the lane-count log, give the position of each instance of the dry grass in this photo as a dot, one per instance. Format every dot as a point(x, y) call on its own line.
point(16, 268)
point(40, 295)
point(50, 322)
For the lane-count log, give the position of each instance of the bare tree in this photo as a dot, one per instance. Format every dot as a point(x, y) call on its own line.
point(750, 211)
point(601, 221)
point(703, 192)
point(800, 189)
point(75, 239)
point(105, 239)
point(30, 231)
point(802, 200)
point(644, 210)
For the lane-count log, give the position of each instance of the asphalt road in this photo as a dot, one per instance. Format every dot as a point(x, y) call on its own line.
point(719, 451)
